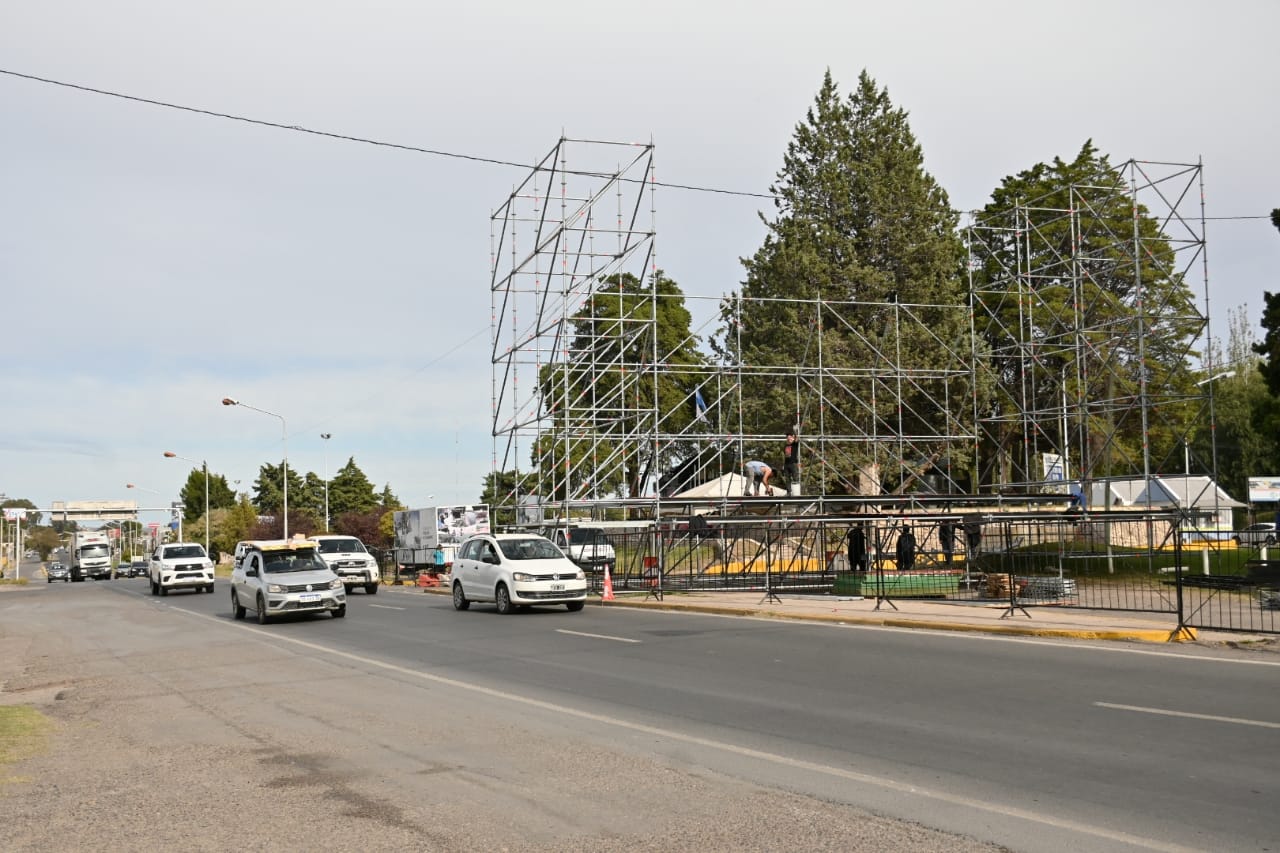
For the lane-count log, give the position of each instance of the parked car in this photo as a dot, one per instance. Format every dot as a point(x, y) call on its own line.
point(516, 570)
point(57, 572)
point(278, 576)
point(139, 567)
point(1257, 535)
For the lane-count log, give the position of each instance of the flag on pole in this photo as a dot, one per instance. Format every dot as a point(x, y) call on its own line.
point(699, 405)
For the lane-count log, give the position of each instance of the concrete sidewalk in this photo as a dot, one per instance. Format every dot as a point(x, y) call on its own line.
point(981, 617)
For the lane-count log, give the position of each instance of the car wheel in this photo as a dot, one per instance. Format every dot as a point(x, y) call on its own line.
point(209, 589)
point(371, 589)
point(574, 606)
point(164, 590)
point(502, 598)
point(262, 611)
point(459, 597)
point(1269, 541)
point(237, 610)
point(347, 588)
point(50, 580)
point(339, 611)
point(155, 588)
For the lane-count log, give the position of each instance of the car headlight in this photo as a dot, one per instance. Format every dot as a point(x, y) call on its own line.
point(581, 575)
point(521, 577)
point(277, 588)
point(336, 583)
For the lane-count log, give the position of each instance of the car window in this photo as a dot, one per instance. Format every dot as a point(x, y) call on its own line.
point(338, 546)
point(528, 549)
point(468, 551)
point(586, 536)
point(183, 551)
point(293, 561)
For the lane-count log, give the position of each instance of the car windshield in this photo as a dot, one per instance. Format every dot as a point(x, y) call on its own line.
point(586, 536)
point(528, 549)
point(181, 551)
point(94, 551)
point(305, 560)
point(341, 546)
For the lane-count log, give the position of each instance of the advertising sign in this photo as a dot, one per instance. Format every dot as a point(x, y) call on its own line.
point(1264, 489)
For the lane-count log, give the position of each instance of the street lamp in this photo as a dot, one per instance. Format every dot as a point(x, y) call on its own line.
point(284, 434)
point(155, 535)
point(169, 454)
point(326, 436)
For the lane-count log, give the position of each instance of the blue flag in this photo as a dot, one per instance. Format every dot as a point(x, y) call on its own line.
point(699, 405)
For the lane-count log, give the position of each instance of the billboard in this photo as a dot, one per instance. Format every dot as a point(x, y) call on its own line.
point(1264, 489)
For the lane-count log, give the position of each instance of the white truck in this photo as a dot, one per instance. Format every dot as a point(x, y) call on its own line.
point(420, 531)
point(90, 555)
point(585, 545)
point(350, 560)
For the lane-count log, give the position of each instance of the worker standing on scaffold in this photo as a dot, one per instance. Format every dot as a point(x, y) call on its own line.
point(791, 463)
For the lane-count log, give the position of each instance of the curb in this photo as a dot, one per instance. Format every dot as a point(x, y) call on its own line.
point(1139, 635)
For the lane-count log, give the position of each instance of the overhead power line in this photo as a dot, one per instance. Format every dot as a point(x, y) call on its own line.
point(475, 158)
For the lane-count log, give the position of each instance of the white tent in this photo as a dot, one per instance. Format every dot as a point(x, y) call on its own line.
point(728, 486)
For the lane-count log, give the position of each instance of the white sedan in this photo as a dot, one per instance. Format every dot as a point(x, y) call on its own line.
point(515, 570)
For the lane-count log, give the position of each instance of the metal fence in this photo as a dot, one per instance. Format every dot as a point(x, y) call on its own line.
point(1123, 561)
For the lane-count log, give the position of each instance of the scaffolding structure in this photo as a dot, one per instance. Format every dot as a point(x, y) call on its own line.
point(594, 403)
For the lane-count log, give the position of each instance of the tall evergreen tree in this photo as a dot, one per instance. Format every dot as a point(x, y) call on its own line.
point(861, 224)
point(350, 491)
point(268, 489)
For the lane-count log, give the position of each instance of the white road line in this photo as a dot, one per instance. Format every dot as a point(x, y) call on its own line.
point(1240, 721)
point(596, 636)
point(386, 607)
point(722, 746)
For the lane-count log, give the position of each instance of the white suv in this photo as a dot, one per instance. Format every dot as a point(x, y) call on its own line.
point(279, 576)
point(347, 556)
point(180, 565)
point(515, 570)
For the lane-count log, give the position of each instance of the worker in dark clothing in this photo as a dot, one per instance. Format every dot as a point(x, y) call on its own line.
point(791, 463)
point(857, 549)
point(947, 539)
point(906, 552)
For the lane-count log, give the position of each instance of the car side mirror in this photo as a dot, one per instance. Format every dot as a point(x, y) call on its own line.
point(490, 559)
point(251, 573)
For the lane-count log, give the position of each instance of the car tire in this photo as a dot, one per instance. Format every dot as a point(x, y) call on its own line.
point(50, 580)
point(371, 589)
point(262, 611)
point(502, 600)
point(459, 597)
point(339, 611)
point(164, 590)
point(574, 606)
point(1269, 541)
point(155, 588)
point(237, 609)
point(209, 589)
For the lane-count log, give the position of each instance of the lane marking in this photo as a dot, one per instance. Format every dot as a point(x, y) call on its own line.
point(596, 636)
point(721, 746)
point(1164, 712)
point(386, 607)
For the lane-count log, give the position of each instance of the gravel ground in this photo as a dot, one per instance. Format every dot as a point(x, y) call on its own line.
point(169, 734)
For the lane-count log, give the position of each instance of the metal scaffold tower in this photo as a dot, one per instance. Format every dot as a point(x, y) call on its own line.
point(1079, 354)
point(1086, 328)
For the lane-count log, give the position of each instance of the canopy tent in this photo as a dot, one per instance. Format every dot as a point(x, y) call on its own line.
point(728, 486)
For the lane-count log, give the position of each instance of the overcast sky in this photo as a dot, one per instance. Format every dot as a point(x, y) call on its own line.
point(154, 261)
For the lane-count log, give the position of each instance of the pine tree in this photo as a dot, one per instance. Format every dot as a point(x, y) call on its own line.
point(861, 224)
point(350, 491)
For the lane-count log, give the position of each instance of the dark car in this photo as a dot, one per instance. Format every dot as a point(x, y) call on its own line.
point(57, 572)
point(139, 567)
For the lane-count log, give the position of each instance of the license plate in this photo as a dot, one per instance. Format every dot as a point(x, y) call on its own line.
point(309, 597)
point(557, 587)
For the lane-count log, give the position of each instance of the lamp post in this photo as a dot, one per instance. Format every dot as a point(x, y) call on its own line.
point(169, 454)
point(155, 536)
point(284, 435)
point(326, 436)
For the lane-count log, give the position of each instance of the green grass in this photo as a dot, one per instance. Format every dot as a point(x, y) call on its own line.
point(24, 732)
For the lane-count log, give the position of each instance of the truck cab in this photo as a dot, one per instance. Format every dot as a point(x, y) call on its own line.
point(586, 546)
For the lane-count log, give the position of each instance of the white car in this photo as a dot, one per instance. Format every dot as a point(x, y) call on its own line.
point(1257, 535)
point(347, 556)
point(279, 576)
point(180, 565)
point(515, 570)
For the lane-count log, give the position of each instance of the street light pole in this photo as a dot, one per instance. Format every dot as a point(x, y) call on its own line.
point(204, 466)
point(284, 431)
point(326, 436)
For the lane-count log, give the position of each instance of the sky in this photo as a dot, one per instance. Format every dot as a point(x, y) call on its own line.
point(154, 261)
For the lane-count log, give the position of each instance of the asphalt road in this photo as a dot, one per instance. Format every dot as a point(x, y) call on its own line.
point(1033, 745)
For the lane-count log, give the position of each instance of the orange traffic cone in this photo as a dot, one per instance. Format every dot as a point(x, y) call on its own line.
point(607, 595)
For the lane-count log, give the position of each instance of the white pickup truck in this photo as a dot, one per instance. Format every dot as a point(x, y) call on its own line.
point(181, 565)
point(349, 559)
point(587, 547)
